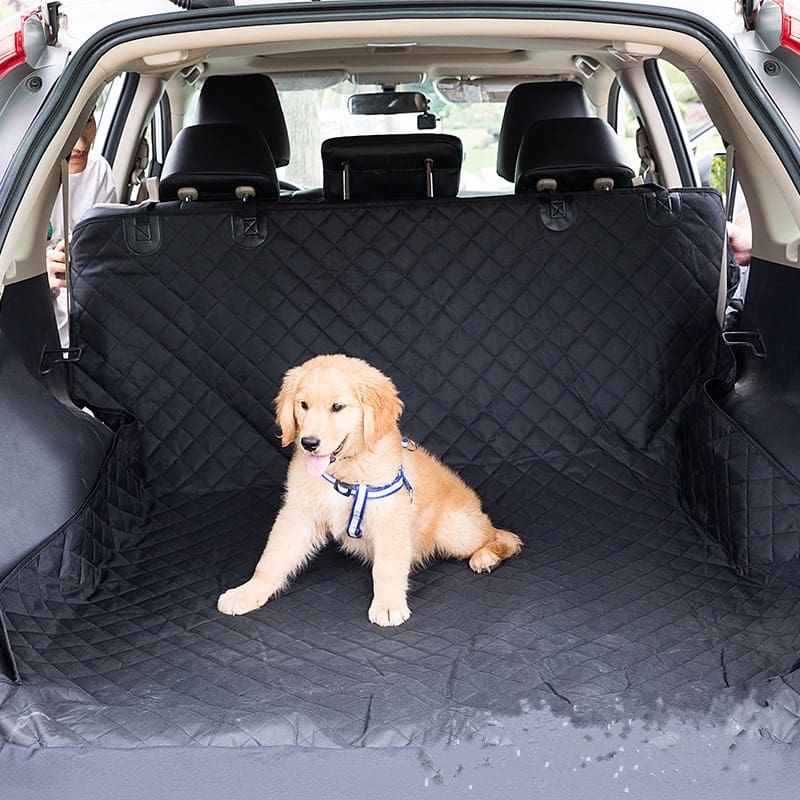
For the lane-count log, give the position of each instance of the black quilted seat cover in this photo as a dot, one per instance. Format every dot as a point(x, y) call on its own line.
point(509, 342)
point(552, 368)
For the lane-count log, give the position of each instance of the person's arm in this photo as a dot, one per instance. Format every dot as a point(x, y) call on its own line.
point(104, 192)
point(740, 234)
point(56, 265)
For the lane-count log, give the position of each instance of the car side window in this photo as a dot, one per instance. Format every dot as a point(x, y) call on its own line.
point(706, 146)
point(623, 117)
point(705, 143)
point(104, 111)
point(151, 150)
point(709, 154)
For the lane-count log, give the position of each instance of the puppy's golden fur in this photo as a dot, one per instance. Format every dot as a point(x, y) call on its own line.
point(347, 413)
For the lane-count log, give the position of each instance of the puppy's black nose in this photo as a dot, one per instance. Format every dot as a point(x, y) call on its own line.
point(310, 443)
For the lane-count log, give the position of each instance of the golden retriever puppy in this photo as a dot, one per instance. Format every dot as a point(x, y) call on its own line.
point(354, 478)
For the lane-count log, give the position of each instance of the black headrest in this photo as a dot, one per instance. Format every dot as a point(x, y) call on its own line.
point(392, 166)
point(247, 100)
point(529, 102)
point(573, 152)
point(216, 160)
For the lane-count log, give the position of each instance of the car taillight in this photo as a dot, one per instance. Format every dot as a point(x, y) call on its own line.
point(790, 24)
point(12, 41)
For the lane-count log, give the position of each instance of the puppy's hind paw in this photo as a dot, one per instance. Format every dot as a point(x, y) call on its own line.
point(389, 614)
point(484, 560)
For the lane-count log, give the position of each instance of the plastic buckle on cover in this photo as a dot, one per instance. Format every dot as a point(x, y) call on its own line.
point(52, 357)
point(751, 339)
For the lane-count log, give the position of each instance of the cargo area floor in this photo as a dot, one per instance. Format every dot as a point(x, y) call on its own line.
point(615, 607)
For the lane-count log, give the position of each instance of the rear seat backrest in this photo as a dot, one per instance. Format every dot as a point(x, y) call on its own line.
point(391, 166)
point(571, 155)
point(528, 103)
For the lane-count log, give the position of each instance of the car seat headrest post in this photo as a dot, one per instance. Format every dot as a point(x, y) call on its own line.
point(428, 177)
point(345, 180)
point(603, 184)
point(186, 194)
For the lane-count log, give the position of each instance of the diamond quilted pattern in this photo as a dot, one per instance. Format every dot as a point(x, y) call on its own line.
point(739, 494)
point(503, 336)
point(552, 369)
point(614, 603)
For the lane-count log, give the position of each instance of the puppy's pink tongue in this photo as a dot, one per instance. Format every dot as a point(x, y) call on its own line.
point(316, 465)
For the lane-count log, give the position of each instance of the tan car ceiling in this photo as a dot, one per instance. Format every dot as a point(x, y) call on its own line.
point(461, 47)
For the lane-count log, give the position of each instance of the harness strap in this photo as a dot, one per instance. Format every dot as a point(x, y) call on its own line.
point(361, 492)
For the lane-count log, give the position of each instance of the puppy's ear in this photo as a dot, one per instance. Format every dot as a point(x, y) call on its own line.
point(284, 406)
point(381, 406)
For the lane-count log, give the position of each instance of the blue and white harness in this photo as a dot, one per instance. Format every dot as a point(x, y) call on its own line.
point(361, 492)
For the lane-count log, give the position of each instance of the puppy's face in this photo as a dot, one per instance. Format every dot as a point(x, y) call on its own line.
point(327, 416)
point(335, 406)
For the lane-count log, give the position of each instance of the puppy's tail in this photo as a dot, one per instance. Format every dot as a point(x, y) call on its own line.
point(502, 545)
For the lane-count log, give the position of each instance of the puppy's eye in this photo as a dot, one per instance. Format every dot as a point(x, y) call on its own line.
point(336, 407)
point(304, 405)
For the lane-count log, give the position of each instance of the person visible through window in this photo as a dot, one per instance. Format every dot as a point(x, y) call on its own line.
point(90, 182)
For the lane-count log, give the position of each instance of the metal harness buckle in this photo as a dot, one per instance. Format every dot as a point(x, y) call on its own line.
point(344, 489)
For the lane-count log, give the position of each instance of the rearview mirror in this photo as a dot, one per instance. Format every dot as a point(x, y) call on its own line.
point(387, 103)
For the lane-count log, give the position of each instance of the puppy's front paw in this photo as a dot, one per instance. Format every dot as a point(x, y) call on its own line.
point(389, 614)
point(247, 597)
